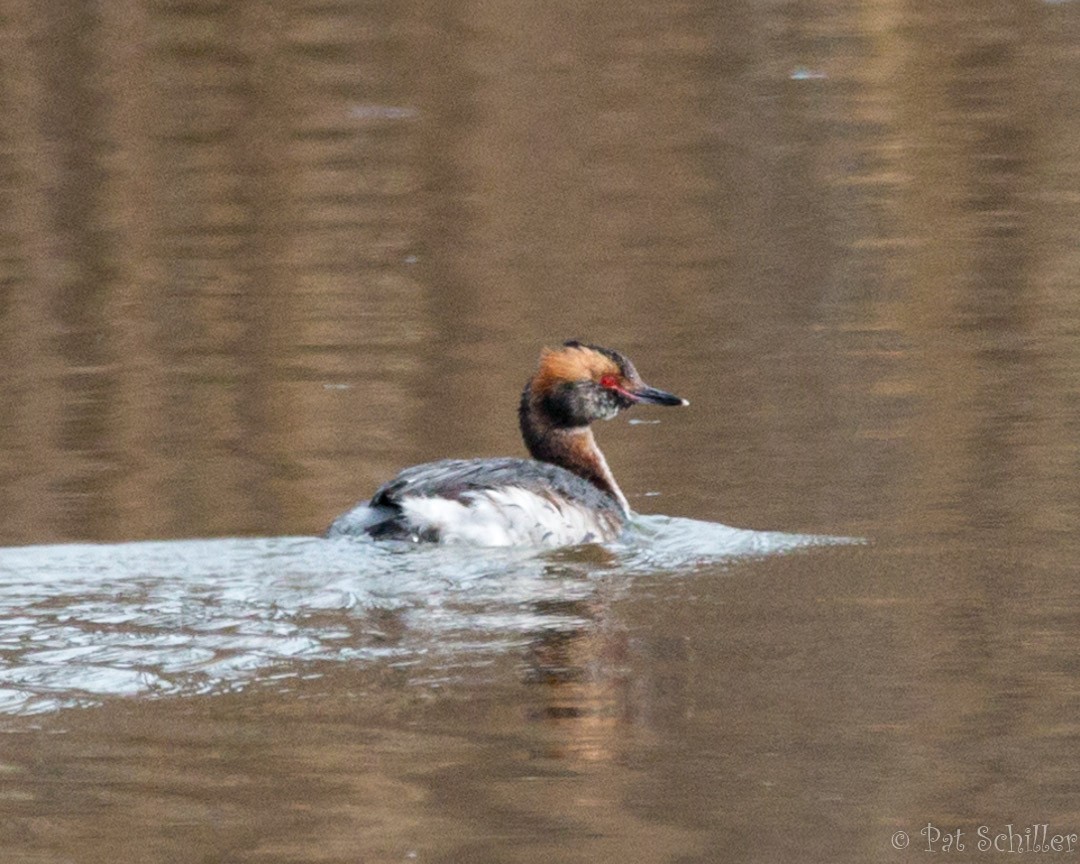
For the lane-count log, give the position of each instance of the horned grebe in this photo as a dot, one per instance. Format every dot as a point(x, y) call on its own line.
point(564, 495)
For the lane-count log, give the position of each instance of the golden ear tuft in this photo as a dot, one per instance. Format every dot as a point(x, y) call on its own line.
point(572, 362)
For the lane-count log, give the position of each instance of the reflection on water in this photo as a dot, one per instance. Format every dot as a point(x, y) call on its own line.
point(79, 623)
point(255, 258)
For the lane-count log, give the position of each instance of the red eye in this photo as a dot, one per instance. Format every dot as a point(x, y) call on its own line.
point(609, 382)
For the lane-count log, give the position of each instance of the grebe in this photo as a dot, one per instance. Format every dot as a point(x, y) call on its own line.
point(564, 495)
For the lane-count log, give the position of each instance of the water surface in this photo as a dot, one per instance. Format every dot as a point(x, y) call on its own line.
point(255, 258)
point(80, 623)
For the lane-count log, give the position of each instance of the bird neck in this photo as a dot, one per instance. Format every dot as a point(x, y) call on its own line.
point(571, 447)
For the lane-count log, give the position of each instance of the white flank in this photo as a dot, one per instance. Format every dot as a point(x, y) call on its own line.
point(509, 516)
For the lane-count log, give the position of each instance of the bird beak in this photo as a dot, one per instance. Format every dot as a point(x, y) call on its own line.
point(652, 396)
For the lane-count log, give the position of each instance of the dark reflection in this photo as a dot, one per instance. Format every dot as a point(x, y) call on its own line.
point(584, 673)
point(577, 683)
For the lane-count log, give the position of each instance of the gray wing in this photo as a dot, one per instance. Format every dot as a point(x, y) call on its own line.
point(453, 479)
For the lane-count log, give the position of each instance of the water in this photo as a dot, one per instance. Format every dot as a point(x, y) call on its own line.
point(80, 623)
point(256, 258)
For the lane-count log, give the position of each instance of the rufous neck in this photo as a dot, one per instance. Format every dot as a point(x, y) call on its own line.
point(571, 447)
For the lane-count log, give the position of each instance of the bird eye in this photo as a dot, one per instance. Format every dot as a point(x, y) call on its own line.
point(609, 382)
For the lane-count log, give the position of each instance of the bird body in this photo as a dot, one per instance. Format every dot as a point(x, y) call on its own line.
point(565, 495)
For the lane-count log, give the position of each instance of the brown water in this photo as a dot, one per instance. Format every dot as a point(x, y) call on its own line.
point(256, 257)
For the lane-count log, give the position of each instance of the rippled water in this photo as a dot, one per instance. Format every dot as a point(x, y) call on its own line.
point(256, 258)
point(80, 623)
